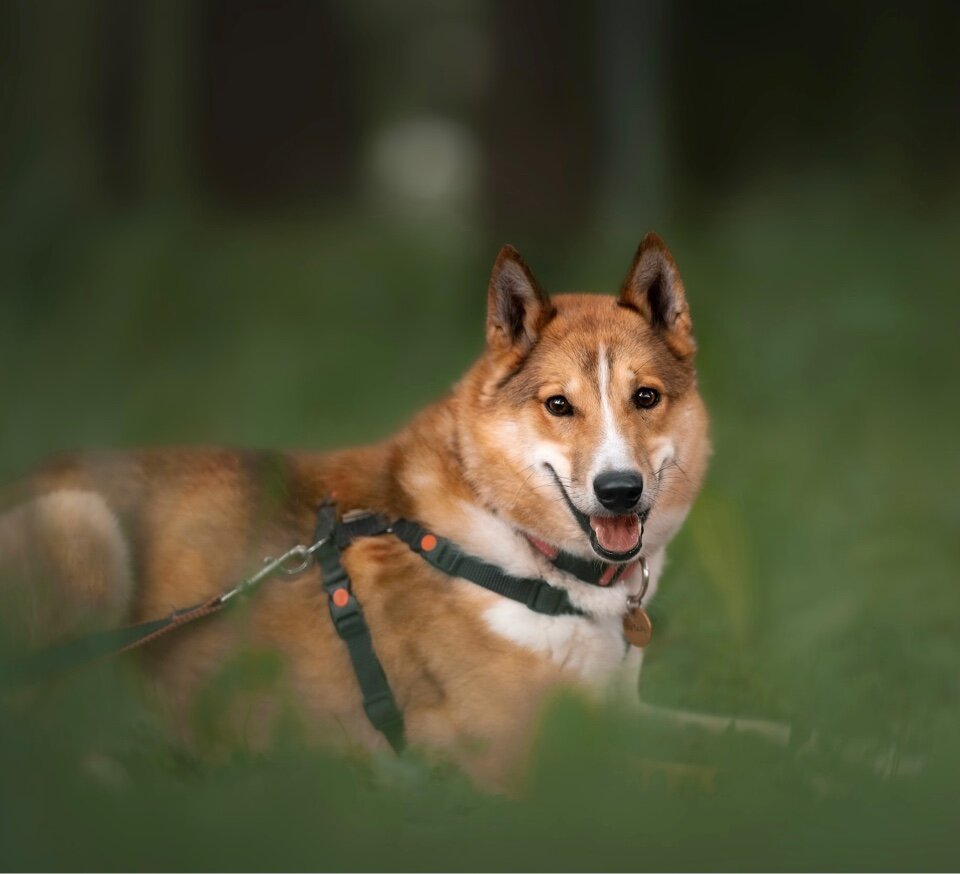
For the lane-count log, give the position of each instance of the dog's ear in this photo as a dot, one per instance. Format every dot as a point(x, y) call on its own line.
point(517, 308)
point(654, 289)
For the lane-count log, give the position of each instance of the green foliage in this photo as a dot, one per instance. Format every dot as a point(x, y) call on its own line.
point(814, 583)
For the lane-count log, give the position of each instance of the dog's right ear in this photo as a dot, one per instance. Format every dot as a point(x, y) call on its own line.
point(517, 308)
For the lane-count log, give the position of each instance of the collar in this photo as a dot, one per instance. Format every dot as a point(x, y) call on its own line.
point(594, 572)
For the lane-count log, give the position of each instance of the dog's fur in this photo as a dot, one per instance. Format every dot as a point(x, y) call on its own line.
point(131, 537)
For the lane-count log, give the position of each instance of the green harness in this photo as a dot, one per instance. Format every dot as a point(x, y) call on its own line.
point(332, 536)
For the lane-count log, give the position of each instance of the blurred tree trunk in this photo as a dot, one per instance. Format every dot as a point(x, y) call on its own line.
point(60, 72)
point(167, 122)
point(539, 124)
point(278, 111)
point(633, 166)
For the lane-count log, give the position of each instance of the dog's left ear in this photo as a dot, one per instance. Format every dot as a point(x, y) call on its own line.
point(517, 308)
point(654, 289)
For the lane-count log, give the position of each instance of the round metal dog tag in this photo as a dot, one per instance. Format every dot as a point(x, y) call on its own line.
point(637, 628)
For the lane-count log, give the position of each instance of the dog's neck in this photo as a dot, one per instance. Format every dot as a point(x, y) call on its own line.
point(438, 492)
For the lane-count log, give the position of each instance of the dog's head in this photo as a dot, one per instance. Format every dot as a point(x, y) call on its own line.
point(582, 424)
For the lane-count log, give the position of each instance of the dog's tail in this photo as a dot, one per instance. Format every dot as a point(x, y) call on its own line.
point(64, 561)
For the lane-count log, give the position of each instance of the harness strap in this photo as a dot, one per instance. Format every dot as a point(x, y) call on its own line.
point(446, 556)
point(334, 536)
point(347, 615)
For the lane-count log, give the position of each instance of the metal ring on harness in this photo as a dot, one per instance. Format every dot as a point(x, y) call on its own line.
point(302, 554)
point(637, 600)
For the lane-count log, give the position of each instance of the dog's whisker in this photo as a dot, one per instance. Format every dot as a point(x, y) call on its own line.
point(516, 496)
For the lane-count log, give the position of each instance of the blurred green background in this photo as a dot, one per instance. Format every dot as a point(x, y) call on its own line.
point(271, 224)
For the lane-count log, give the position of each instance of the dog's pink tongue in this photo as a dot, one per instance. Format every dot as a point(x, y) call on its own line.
point(617, 533)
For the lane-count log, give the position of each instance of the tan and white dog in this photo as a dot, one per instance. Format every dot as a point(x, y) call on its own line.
point(580, 428)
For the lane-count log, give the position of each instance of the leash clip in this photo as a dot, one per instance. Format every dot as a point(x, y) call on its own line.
point(301, 554)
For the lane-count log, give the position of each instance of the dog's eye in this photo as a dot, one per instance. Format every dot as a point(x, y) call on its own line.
point(646, 397)
point(558, 405)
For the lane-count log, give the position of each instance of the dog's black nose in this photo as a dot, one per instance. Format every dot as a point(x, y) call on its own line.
point(619, 490)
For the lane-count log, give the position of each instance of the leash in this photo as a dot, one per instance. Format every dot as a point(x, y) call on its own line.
point(332, 535)
point(94, 647)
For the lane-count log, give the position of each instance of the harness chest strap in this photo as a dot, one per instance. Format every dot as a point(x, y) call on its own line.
point(538, 595)
point(347, 615)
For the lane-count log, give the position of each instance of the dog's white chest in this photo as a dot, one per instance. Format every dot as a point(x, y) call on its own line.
point(592, 648)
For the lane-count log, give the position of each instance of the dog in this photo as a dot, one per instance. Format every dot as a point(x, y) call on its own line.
point(580, 432)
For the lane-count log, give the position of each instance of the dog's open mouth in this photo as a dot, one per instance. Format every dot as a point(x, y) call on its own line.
point(617, 535)
point(613, 538)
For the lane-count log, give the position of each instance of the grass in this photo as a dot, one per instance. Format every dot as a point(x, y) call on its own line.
point(814, 584)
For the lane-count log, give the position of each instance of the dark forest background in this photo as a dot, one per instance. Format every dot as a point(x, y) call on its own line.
point(571, 113)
